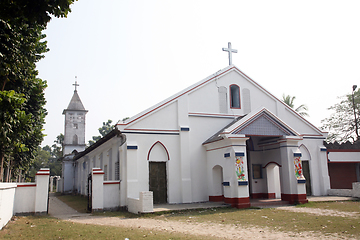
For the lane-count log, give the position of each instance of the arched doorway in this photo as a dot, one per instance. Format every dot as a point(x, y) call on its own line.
point(217, 192)
point(305, 162)
point(158, 157)
point(273, 180)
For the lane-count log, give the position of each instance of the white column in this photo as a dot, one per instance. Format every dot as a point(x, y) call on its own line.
point(42, 190)
point(292, 190)
point(97, 196)
point(185, 164)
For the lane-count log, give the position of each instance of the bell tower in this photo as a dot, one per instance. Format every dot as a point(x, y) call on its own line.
point(74, 135)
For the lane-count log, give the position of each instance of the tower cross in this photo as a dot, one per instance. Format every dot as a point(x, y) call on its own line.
point(230, 50)
point(76, 84)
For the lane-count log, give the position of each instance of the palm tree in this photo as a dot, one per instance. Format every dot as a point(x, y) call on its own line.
point(301, 110)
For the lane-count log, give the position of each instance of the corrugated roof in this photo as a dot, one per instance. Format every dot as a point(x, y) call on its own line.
point(217, 136)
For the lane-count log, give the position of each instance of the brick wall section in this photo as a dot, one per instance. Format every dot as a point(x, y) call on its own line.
point(342, 175)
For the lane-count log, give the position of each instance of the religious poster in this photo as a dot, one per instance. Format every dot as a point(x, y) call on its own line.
point(298, 168)
point(240, 169)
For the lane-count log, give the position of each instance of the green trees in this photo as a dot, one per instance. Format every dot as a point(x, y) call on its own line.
point(301, 110)
point(341, 124)
point(105, 129)
point(22, 97)
point(47, 157)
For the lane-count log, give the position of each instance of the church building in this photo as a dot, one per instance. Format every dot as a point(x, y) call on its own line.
point(225, 138)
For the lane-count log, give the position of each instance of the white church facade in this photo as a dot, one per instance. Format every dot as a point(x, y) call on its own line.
point(225, 138)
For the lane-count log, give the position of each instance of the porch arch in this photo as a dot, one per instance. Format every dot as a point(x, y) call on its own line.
point(217, 188)
point(273, 179)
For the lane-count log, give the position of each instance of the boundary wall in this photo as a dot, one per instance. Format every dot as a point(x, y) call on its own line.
point(24, 198)
point(106, 195)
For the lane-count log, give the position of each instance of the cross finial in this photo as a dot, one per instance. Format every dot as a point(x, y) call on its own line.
point(230, 50)
point(76, 84)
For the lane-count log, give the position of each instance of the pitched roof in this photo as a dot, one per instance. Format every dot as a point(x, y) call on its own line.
point(259, 123)
point(205, 81)
point(75, 103)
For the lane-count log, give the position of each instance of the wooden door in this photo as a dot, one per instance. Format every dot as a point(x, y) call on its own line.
point(158, 182)
point(306, 171)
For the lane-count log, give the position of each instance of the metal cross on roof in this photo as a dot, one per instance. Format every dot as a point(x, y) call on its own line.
point(230, 50)
point(76, 84)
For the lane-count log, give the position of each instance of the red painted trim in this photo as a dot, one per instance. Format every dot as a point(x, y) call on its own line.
point(271, 163)
point(257, 195)
point(302, 145)
point(97, 169)
point(44, 173)
point(294, 198)
point(343, 150)
point(213, 114)
point(339, 161)
point(223, 73)
point(111, 182)
point(216, 198)
point(262, 195)
point(238, 202)
point(206, 81)
point(271, 195)
point(26, 185)
point(287, 106)
point(232, 98)
point(98, 173)
point(167, 153)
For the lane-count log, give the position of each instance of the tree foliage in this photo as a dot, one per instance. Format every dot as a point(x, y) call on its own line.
point(48, 157)
point(341, 124)
point(105, 129)
point(22, 93)
point(301, 110)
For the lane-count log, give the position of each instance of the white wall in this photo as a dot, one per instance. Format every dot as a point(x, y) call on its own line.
point(7, 196)
point(22, 198)
point(111, 194)
point(25, 198)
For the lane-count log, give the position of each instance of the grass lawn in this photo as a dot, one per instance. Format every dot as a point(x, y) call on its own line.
point(33, 227)
point(345, 206)
point(272, 218)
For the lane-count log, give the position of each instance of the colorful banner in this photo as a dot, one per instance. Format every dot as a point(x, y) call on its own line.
point(240, 168)
point(298, 168)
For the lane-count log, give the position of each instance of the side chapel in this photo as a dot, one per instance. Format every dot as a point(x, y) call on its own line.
point(225, 138)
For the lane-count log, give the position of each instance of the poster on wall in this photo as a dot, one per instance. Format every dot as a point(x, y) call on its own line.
point(240, 168)
point(298, 168)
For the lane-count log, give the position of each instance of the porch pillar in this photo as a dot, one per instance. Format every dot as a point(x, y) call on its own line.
point(238, 194)
point(292, 181)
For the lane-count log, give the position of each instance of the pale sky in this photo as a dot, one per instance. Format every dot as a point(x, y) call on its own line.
point(130, 55)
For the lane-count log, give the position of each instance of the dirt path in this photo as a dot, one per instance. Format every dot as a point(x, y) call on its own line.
point(60, 210)
point(223, 231)
point(320, 212)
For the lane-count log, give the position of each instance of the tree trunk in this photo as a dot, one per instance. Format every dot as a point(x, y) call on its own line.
point(8, 172)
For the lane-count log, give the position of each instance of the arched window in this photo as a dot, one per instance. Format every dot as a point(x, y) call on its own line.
point(75, 139)
point(234, 96)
